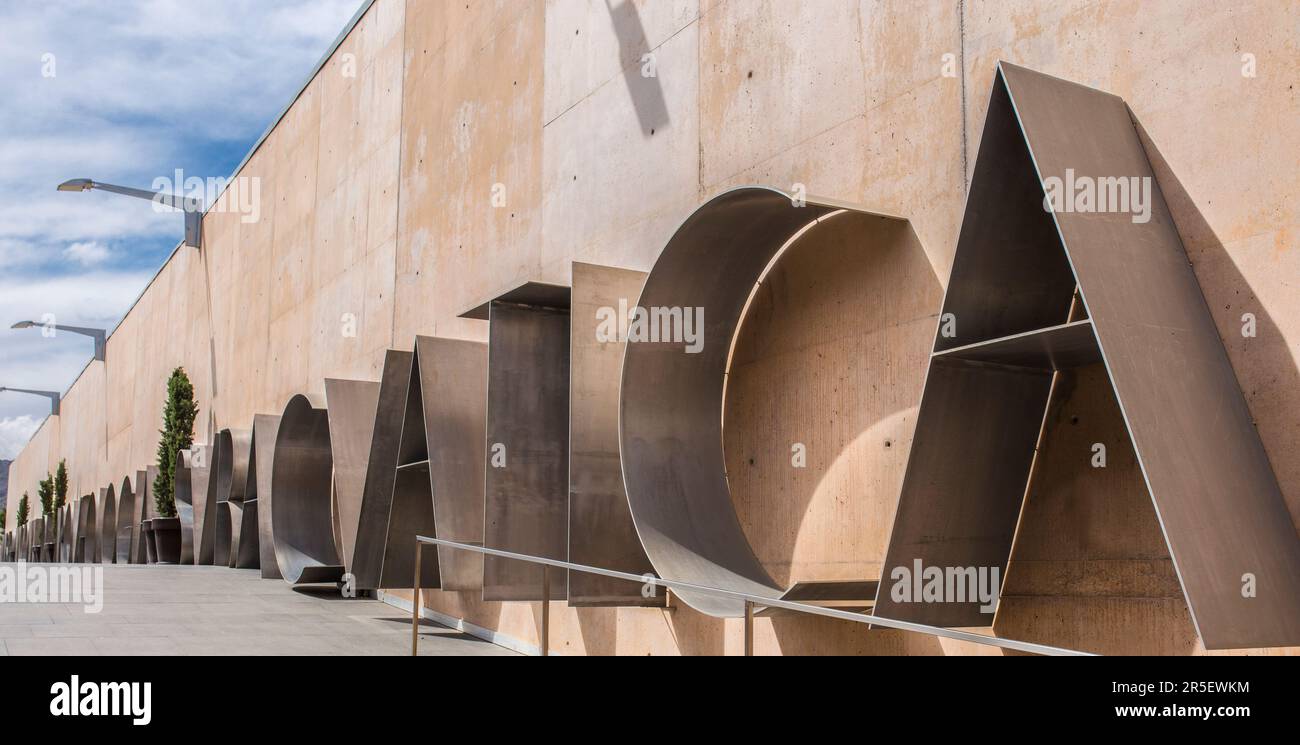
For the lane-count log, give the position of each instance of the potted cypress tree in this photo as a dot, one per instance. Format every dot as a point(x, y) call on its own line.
point(177, 434)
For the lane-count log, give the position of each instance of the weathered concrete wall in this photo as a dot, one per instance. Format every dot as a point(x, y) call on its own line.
point(448, 151)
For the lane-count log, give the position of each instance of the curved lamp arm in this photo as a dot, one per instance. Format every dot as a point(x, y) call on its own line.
point(191, 206)
point(99, 335)
point(52, 395)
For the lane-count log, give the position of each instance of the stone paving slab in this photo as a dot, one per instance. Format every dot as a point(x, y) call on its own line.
point(186, 610)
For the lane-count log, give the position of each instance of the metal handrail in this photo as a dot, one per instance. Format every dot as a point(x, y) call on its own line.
point(751, 601)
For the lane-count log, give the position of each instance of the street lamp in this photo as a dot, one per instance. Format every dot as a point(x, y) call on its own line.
point(54, 397)
point(99, 335)
point(192, 206)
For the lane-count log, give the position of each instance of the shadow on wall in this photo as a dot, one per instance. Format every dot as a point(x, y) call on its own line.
point(641, 74)
point(1264, 366)
point(1090, 569)
point(849, 321)
point(834, 322)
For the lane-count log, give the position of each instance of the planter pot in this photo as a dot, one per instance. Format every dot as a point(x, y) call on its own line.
point(150, 548)
point(166, 540)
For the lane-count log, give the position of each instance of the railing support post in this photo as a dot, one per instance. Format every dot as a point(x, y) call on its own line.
point(545, 643)
point(749, 628)
point(415, 602)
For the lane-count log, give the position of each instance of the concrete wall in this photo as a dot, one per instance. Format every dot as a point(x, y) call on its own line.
point(448, 151)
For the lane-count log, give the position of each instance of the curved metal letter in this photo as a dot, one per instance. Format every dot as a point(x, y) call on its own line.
point(265, 428)
point(185, 503)
point(108, 525)
point(301, 477)
point(672, 395)
point(87, 547)
point(233, 453)
point(125, 523)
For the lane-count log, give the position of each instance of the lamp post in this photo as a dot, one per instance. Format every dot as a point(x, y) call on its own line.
point(191, 206)
point(99, 335)
point(53, 396)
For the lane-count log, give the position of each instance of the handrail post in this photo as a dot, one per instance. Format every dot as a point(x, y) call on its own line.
point(415, 602)
point(749, 628)
point(545, 642)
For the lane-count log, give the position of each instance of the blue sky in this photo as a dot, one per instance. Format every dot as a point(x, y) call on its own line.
point(121, 91)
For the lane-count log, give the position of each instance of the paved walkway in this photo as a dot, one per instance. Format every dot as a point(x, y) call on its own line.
point(187, 610)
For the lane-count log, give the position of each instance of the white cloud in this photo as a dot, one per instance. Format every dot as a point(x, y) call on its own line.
point(91, 298)
point(87, 253)
point(30, 360)
point(139, 88)
point(14, 434)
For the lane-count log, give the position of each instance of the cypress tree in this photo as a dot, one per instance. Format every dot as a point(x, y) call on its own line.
point(61, 485)
point(45, 490)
